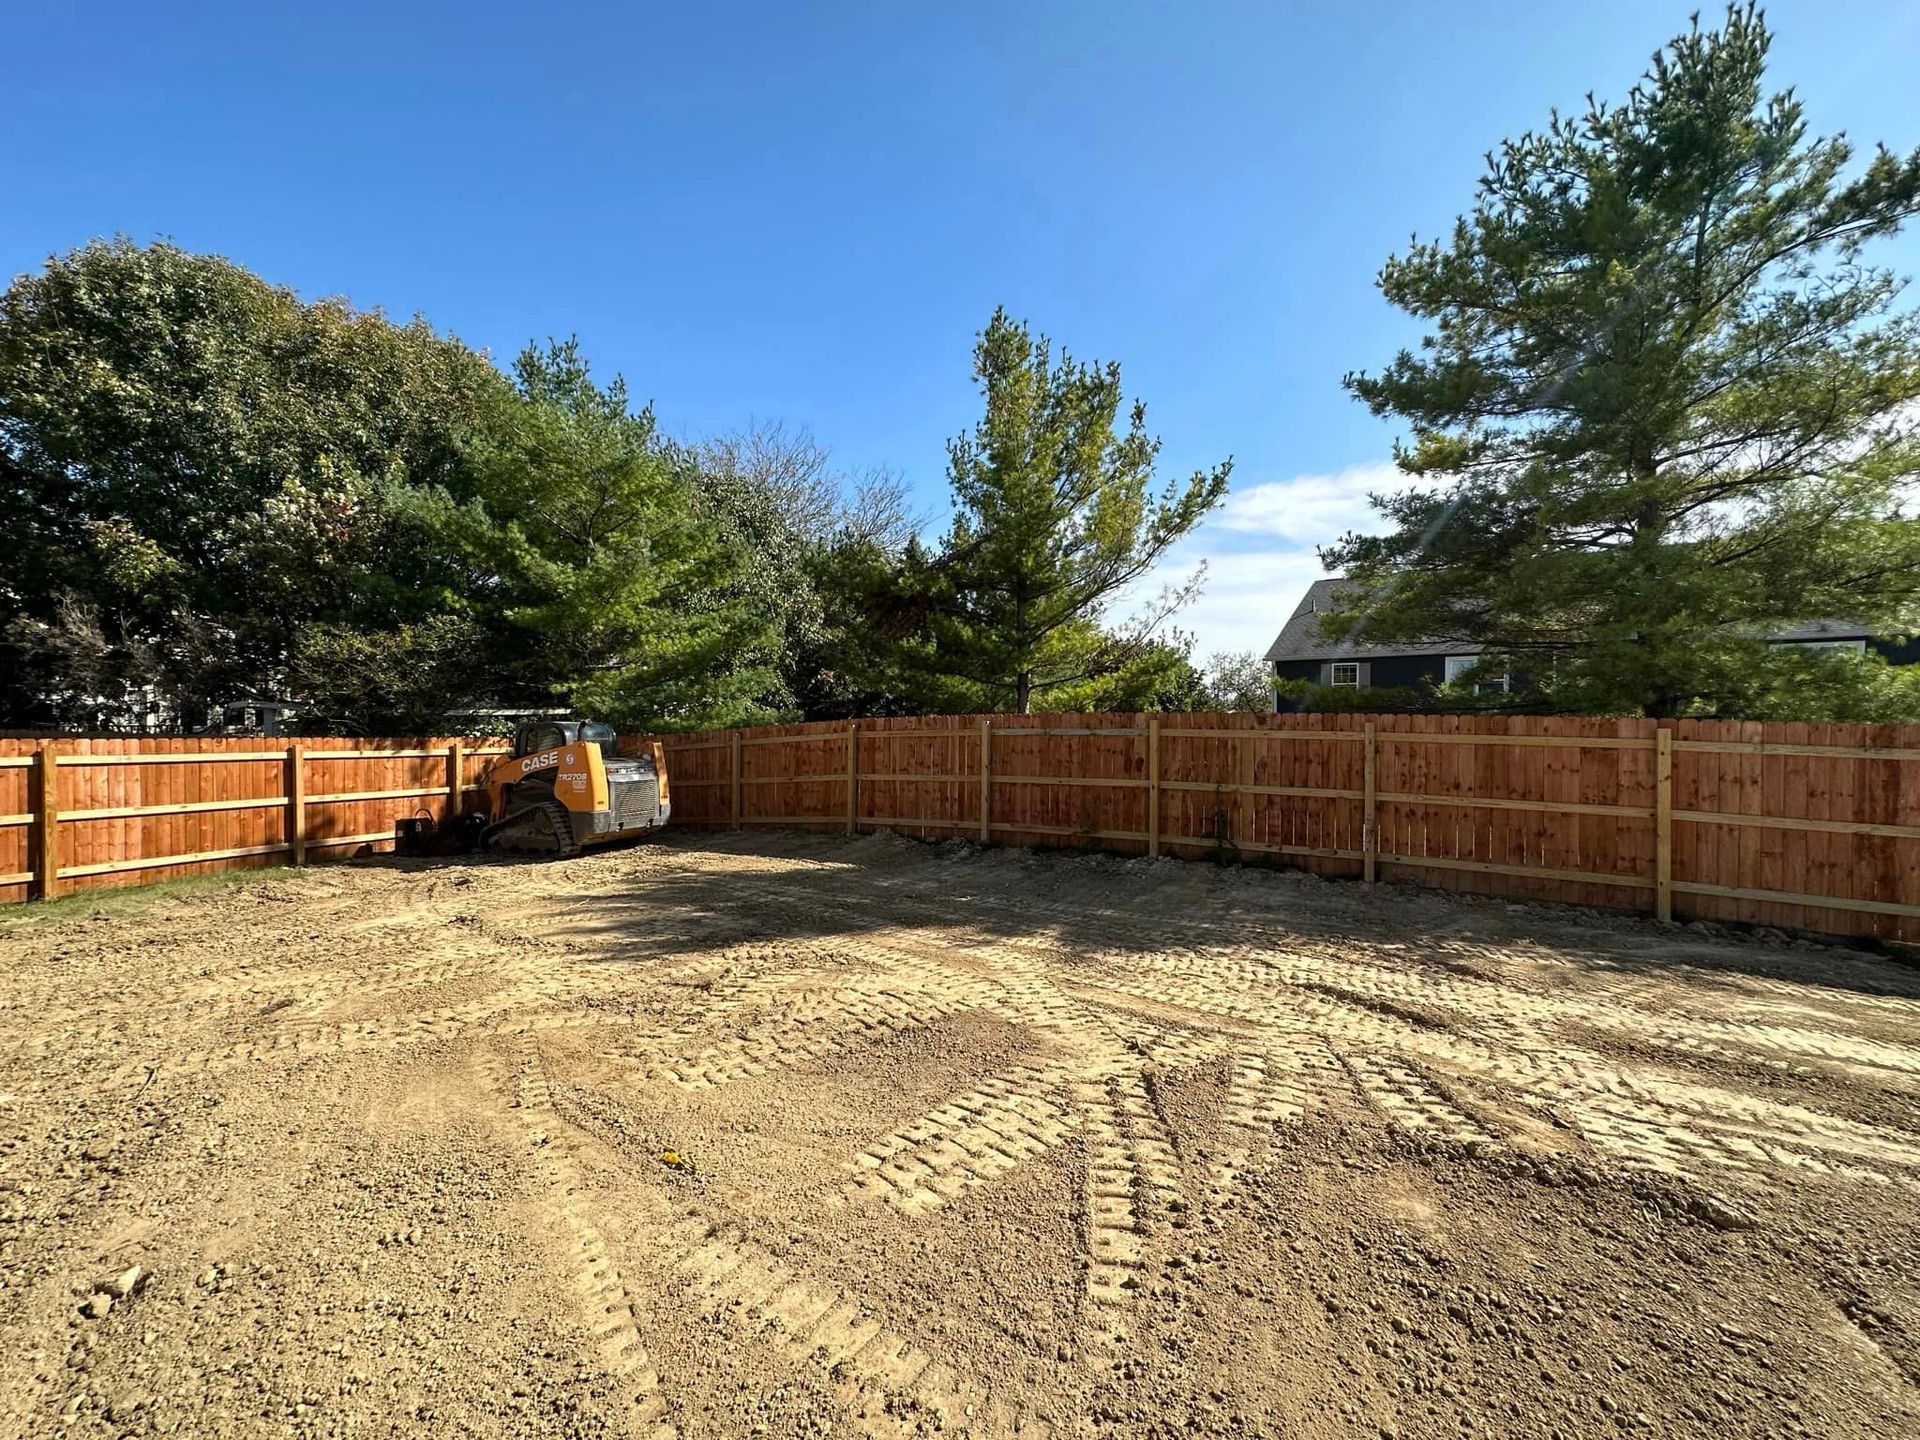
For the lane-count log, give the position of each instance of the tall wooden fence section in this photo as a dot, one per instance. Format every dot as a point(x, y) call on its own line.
point(78, 814)
point(1811, 827)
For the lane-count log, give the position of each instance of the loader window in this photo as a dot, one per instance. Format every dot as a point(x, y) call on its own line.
point(592, 732)
point(536, 738)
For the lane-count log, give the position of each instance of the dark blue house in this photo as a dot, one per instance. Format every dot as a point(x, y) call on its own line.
point(1302, 653)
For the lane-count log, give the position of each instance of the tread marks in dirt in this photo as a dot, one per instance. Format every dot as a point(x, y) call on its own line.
point(965, 1143)
point(912, 983)
point(519, 1080)
point(1250, 945)
point(1252, 1030)
point(1671, 1123)
point(1272, 1087)
point(1389, 1020)
point(1411, 1101)
point(1737, 1040)
point(895, 1387)
point(812, 1028)
point(892, 1384)
point(1664, 1134)
point(1133, 1176)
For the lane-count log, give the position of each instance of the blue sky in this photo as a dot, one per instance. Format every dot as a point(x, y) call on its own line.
point(805, 212)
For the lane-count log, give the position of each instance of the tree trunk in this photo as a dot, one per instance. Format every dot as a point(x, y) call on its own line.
point(1023, 692)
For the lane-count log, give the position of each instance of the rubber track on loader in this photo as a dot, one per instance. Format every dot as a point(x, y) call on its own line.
point(540, 828)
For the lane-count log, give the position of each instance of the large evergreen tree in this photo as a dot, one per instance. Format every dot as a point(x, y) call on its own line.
point(590, 563)
point(1671, 404)
point(1054, 518)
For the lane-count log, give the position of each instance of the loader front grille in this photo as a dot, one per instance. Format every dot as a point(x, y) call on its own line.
point(636, 802)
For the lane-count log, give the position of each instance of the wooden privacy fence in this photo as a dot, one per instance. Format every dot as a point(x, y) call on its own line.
point(1813, 827)
point(76, 814)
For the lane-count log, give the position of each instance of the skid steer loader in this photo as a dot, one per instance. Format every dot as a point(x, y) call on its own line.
point(561, 789)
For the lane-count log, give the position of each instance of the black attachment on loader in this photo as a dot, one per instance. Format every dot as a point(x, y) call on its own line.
point(422, 835)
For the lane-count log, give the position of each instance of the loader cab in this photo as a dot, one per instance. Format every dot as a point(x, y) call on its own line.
point(557, 734)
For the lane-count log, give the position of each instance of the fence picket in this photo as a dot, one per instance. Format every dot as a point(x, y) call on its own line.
point(47, 861)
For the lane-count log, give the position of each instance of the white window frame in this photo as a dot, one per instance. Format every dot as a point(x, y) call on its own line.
point(1334, 667)
point(1457, 666)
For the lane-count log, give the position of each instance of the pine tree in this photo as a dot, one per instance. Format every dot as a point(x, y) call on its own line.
point(1053, 519)
point(1671, 404)
point(602, 583)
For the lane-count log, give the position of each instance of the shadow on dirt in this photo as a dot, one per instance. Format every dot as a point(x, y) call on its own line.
point(1118, 905)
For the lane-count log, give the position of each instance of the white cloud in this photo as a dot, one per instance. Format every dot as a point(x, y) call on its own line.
point(1247, 595)
point(1310, 509)
point(1259, 552)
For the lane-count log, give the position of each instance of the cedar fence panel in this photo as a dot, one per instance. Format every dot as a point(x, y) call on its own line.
point(1808, 827)
point(919, 775)
point(1812, 827)
point(137, 811)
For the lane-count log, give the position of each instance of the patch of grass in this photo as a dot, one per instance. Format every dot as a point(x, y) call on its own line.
point(111, 902)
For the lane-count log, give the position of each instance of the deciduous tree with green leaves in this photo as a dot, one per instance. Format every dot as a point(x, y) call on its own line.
point(191, 469)
point(777, 500)
point(1054, 518)
point(1237, 680)
point(1667, 407)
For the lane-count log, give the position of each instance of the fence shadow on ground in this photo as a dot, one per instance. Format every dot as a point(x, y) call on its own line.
point(1113, 906)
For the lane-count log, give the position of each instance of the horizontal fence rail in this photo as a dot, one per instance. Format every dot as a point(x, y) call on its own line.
point(1809, 827)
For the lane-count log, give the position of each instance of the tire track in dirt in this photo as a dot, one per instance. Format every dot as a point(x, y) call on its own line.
point(895, 1388)
point(1410, 1101)
point(1384, 1015)
point(1276, 1086)
point(1167, 945)
point(1196, 1063)
point(810, 1030)
point(726, 1276)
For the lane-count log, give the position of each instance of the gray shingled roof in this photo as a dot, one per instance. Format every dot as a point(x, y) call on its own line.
point(1824, 630)
point(1300, 638)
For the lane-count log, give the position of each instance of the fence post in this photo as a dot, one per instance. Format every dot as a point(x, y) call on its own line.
point(986, 779)
point(1153, 785)
point(1663, 824)
point(1241, 751)
point(456, 776)
point(1369, 826)
point(47, 835)
point(736, 780)
point(853, 773)
point(296, 788)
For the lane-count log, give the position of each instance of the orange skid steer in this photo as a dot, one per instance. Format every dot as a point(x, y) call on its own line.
point(562, 788)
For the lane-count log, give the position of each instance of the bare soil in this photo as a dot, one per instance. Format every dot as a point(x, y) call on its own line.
point(792, 1135)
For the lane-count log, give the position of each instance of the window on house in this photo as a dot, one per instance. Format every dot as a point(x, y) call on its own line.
point(1458, 668)
point(1346, 675)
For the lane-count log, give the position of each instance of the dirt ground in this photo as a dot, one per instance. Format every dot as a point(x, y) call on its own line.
point(796, 1136)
